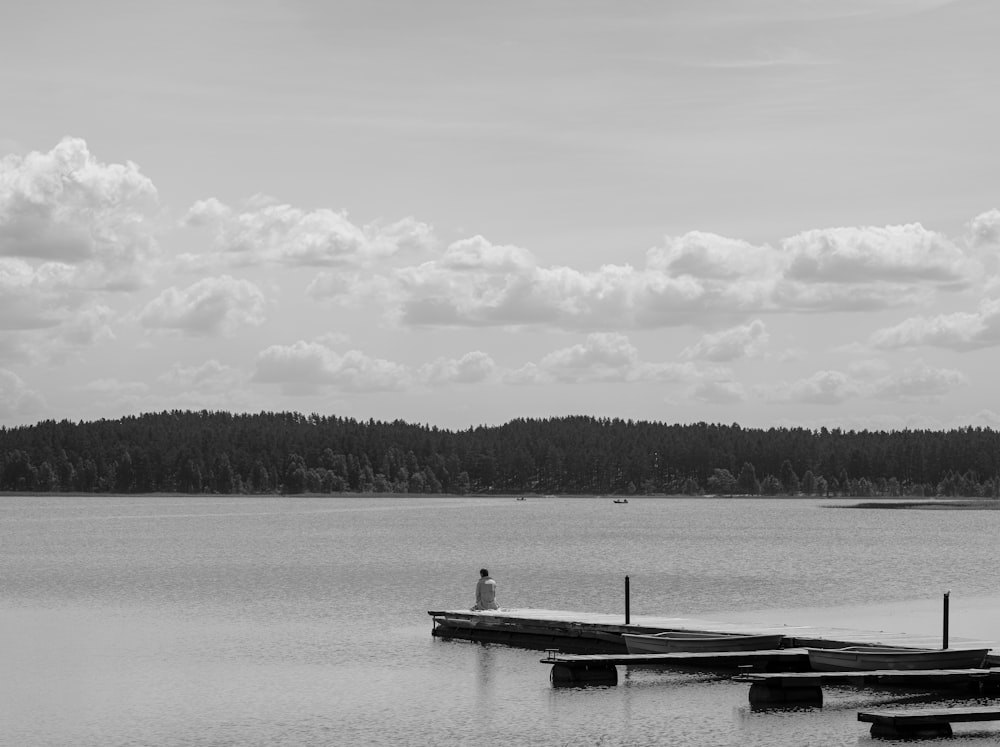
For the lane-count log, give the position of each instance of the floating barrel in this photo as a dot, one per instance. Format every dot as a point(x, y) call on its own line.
point(578, 673)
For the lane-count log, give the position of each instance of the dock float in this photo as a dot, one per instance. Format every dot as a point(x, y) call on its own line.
point(923, 723)
point(805, 688)
point(601, 669)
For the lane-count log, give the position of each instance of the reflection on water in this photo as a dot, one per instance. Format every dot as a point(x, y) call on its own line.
point(485, 674)
point(291, 621)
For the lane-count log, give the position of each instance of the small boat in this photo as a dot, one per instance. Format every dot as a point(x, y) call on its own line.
point(676, 641)
point(621, 500)
point(868, 658)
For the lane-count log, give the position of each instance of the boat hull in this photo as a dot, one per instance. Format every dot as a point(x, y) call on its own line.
point(857, 658)
point(677, 643)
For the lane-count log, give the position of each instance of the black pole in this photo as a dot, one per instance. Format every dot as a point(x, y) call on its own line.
point(628, 615)
point(944, 626)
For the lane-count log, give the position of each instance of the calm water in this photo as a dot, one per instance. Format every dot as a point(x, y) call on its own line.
point(282, 621)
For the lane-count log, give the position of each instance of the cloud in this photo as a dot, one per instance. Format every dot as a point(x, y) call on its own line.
point(526, 375)
point(471, 368)
point(920, 382)
point(960, 331)
point(353, 289)
point(871, 255)
point(477, 284)
point(66, 207)
point(268, 232)
point(604, 357)
point(212, 306)
point(916, 382)
point(16, 398)
point(476, 253)
point(307, 367)
point(984, 230)
point(709, 256)
point(738, 342)
point(28, 300)
point(983, 239)
point(859, 269)
point(691, 279)
point(15, 347)
point(822, 388)
point(88, 326)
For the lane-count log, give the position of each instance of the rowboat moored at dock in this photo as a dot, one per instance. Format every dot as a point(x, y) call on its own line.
point(865, 658)
point(676, 641)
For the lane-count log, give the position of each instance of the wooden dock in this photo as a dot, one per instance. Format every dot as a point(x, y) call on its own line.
point(587, 649)
point(589, 632)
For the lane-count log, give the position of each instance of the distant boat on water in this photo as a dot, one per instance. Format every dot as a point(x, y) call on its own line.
point(868, 658)
point(621, 500)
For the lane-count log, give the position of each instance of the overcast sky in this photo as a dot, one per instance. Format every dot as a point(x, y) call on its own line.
point(764, 212)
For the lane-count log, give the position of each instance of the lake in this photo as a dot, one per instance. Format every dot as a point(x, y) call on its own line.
point(208, 620)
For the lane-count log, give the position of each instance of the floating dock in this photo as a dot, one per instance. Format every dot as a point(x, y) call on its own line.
point(587, 648)
point(597, 633)
point(923, 723)
point(806, 688)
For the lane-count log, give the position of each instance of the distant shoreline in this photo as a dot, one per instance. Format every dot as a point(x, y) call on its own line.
point(976, 504)
point(934, 504)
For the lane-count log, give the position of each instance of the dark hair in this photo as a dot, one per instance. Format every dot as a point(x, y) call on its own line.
point(483, 572)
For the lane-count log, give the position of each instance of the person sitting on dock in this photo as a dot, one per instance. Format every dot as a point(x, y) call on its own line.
point(486, 592)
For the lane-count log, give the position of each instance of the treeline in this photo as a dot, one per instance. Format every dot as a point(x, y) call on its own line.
point(291, 453)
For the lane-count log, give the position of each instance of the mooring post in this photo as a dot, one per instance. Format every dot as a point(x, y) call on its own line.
point(944, 626)
point(628, 612)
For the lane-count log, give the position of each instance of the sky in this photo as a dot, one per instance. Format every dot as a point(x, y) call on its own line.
point(776, 213)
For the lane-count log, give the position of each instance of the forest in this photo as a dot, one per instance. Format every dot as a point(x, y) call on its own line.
point(291, 453)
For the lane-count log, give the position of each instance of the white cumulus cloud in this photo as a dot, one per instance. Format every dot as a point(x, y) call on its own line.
point(691, 279)
point(307, 367)
point(266, 231)
point(66, 207)
point(604, 357)
point(471, 368)
point(957, 331)
point(210, 306)
point(730, 344)
point(872, 254)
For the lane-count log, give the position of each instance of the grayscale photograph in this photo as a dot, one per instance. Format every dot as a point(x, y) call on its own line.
point(612, 373)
